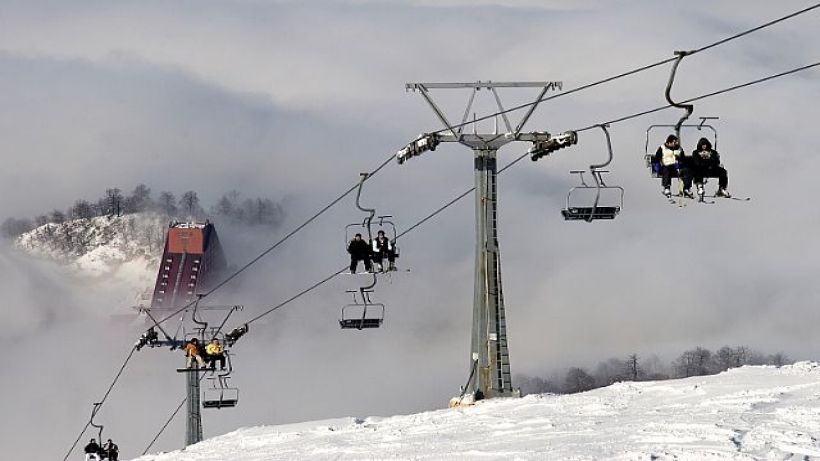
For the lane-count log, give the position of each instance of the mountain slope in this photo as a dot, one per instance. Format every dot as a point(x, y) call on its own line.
point(746, 413)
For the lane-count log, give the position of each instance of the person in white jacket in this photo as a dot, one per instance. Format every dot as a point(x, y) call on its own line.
point(383, 248)
point(668, 157)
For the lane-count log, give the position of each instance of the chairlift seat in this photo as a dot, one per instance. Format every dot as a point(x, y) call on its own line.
point(655, 169)
point(360, 323)
point(585, 213)
point(225, 403)
point(190, 370)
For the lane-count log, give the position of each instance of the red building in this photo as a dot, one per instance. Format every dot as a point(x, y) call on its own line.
point(191, 263)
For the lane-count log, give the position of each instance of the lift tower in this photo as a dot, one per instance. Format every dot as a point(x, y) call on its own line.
point(489, 357)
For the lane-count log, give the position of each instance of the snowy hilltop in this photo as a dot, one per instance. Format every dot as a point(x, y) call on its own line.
point(118, 252)
point(99, 245)
point(750, 413)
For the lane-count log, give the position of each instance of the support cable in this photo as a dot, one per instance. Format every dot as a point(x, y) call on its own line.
point(464, 194)
point(707, 95)
point(524, 155)
point(168, 421)
point(502, 112)
point(100, 403)
point(632, 72)
point(493, 115)
point(282, 240)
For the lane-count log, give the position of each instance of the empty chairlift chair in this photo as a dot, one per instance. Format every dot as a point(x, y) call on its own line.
point(592, 202)
point(361, 315)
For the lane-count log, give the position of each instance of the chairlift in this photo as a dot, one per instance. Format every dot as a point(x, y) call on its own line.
point(371, 224)
point(607, 201)
point(220, 395)
point(204, 333)
point(364, 314)
point(649, 156)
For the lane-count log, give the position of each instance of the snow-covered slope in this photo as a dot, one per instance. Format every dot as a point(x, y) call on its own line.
point(746, 413)
point(119, 252)
point(97, 245)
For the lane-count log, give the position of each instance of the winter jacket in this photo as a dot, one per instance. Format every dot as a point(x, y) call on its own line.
point(704, 157)
point(382, 246)
point(110, 448)
point(214, 349)
point(191, 350)
point(92, 448)
point(359, 249)
point(666, 156)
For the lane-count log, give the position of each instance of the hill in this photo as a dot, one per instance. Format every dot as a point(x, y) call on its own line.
point(744, 413)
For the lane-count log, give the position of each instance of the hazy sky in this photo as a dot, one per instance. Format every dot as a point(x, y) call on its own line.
point(294, 99)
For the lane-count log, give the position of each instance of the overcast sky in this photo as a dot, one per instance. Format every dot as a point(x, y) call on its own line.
point(294, 99)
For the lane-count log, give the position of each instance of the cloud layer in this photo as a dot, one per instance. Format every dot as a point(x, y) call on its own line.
point(296, 98)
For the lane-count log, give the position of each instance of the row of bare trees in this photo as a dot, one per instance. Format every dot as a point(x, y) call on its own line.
point(694, 362)
point(230, 208)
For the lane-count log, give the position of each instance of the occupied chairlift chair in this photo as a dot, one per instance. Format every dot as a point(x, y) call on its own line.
point(653, 166)
point(366, 226)
point(203, 333)
point(613, 205)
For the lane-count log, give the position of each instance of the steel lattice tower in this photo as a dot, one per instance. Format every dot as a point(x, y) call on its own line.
point(489, 353)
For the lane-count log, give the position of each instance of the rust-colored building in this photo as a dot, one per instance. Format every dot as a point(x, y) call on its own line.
point(191, 262)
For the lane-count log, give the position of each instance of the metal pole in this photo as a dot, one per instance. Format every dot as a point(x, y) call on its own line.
point(193, 426)
point(489, 354)
point(489, 336)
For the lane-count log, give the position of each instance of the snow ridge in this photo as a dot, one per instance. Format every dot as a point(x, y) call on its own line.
point(99, 245)
point(746, 413)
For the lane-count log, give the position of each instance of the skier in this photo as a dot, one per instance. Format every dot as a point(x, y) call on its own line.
point(667, 157)
point(359, 250)
point(92, 451)
point(215, 352)
point(706, 162)
point(192, 352)
point(110, 450)
point(383, 248)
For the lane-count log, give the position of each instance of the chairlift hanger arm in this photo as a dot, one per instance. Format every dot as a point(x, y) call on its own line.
point(371, 211)
point(689, 108)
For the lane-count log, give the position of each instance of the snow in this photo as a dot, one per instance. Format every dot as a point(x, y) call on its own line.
point(743, 414)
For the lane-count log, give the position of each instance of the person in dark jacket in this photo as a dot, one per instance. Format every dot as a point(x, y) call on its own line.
point(92, 451)
point(383, 248)
point(671, 160)
point(706, 163)
point(110, 450)
point(359, 251)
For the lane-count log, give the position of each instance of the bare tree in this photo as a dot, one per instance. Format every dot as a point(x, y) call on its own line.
point(114, 198)
point(778, 359)
point(168, 203)
point(82, 209)
point(57, 217)
point(610, 371)
point(578, 380)
point(694, 362)
point(189, 204)
point(139, 200)
point(633, 369)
